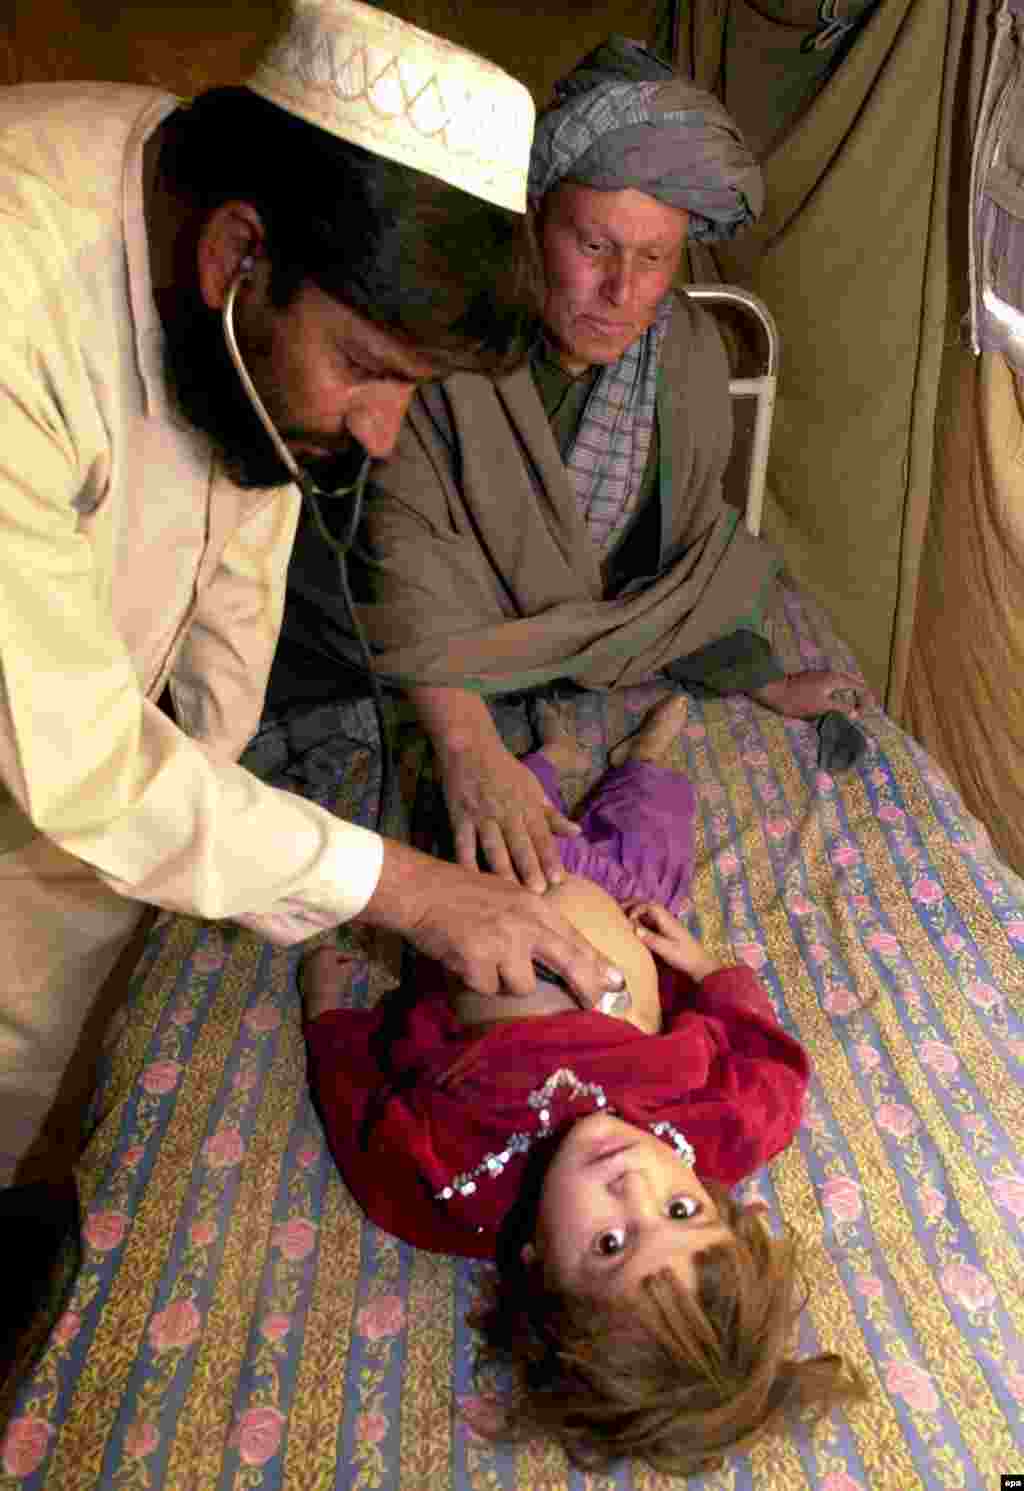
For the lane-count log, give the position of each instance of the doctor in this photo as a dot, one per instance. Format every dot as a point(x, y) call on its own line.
point(361, 203)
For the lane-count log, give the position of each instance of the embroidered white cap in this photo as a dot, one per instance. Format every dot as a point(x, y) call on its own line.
point(370, 78)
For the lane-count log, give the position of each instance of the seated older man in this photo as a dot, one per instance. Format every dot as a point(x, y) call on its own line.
point(566, 521)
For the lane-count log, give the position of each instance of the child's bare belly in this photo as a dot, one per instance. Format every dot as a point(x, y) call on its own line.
point(594, 913)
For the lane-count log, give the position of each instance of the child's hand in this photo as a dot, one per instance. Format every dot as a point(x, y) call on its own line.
point(659, 930)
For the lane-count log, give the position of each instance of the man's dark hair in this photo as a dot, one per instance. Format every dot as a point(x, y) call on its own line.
point(456, 276)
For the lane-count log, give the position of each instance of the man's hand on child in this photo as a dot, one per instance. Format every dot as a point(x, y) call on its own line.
point(668, 939)
point(487, 931)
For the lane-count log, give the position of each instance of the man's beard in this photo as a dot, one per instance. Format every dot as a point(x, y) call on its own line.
point(209, 393)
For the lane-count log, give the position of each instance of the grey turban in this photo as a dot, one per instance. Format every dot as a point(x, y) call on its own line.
point(622, 118)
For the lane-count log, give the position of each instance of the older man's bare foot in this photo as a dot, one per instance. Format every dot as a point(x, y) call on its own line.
point(558, 742)
point(325, 980)
point(656, 735)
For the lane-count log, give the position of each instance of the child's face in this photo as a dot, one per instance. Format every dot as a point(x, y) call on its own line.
point(617, 1205)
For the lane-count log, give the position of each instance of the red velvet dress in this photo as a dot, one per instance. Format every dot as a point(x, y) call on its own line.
point(433, 1147)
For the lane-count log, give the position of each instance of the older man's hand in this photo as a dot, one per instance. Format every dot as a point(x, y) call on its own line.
point(495, 803)
point(497, 806)
point(816, 691)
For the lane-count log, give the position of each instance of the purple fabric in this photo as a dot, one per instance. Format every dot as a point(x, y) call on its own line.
point(637, 823)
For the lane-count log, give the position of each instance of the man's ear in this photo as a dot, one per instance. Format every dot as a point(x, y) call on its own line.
point(232, 234)
point(528, 1253)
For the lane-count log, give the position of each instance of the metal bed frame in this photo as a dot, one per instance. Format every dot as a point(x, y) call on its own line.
point(760, 387)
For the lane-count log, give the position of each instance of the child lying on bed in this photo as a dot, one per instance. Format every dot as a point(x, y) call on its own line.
point(642, 1309)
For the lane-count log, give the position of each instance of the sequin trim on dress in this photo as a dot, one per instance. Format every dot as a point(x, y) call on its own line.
point(540, 1100)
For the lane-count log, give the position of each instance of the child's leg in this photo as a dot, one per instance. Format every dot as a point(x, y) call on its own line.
point(637, 821)
point(559, 752)
point(658, 732)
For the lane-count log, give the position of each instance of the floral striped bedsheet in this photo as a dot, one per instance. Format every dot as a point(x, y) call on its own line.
point(236, 1325)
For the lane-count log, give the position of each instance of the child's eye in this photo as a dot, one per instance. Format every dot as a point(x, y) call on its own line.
point(607, 1244)
point(682, 1208)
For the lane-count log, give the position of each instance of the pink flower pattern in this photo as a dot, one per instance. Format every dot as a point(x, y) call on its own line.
point(105, 1230)
point(933, 1202)
point(161, 1077)
point(257, 1435)
point(889, 813)
point(867, 1056)
point(224, 1148)
point(383, 1316)
point(839, 1000)
point(371, 1427)
point(25, 1445)
point(175, 1328)
point(940, 1057)
point(67, 1327)
point(296, 1238)
point(1009, 1193)
point(983, 994)
point(751, 953)
point(838, 1480)
point(968, 1285)
point(842, 1198)
point(925, 891)
point(897, 1119)
point(912, 1384)
point(140, 1440)
point(263, 1018)
point(203, 1232)
point(275, 1327)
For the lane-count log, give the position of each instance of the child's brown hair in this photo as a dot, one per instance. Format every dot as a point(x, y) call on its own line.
point(673, 1378)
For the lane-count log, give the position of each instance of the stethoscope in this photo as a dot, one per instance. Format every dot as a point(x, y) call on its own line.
point(341, 548)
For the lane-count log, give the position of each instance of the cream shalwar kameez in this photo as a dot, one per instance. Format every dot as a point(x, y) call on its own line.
point(126, 563)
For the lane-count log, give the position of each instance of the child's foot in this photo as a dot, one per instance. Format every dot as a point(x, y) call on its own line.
point(654, 739)
point(558, 743)
point(324, 980)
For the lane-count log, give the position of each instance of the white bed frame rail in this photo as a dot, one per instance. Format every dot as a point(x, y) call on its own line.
point(760, 387)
